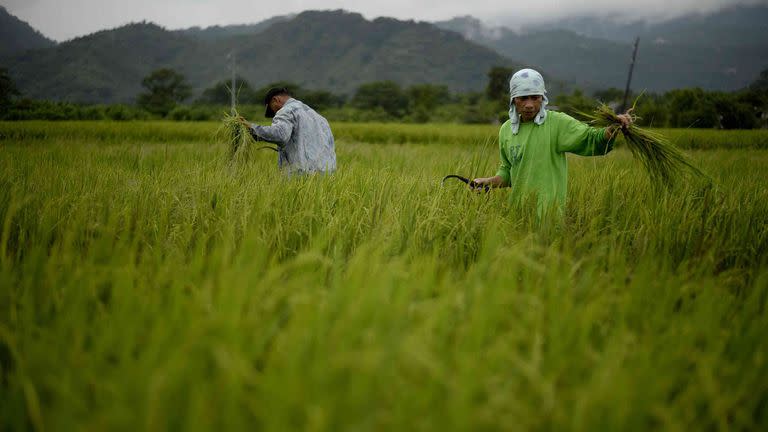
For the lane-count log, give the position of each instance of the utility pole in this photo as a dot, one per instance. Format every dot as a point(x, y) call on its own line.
point(232, 91)
point(629, 78)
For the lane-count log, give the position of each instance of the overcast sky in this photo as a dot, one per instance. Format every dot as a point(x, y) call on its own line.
point(65, 19)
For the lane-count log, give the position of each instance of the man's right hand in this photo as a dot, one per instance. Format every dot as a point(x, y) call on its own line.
point(495, 181)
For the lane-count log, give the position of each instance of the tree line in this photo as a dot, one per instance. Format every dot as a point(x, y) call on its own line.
point(168, 95)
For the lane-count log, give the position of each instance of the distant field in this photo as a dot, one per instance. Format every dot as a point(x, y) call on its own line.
point(146, 284)
point(386, 133)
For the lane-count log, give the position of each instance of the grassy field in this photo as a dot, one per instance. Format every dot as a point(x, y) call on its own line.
point(145, 283)
point(375, 133)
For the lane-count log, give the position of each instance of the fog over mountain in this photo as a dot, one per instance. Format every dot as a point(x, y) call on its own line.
point(334, 50)
point(62, 20)
point(721, 51)
point(340, 50)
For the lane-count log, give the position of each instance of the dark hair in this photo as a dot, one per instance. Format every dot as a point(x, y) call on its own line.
point(276, 91)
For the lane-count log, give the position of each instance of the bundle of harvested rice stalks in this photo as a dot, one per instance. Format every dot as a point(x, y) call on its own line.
point(238, 136)
point(663, 161)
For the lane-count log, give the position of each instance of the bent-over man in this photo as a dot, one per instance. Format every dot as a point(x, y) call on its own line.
point(303, 137)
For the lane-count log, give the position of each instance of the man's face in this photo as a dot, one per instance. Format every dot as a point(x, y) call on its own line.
point(528, 106)
point(277, 102)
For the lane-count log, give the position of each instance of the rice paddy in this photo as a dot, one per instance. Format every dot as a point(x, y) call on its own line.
point(147, 282)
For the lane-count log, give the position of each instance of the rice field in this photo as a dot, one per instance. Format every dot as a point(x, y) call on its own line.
point(146, 283)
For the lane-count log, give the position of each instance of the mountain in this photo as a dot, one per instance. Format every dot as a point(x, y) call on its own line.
point(221, 32)
point(18, 36)
point(332, 50)
point(341, 50)
point(724, 51)
point(338, 51)
point(731, 25)
point(472, 28)
point(102, 67)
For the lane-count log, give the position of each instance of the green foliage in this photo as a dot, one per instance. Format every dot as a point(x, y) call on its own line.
point(421, 103)
point(111, 133)
point(424, 99)
point(339, 51)
point(317, 99)
point(691, 108)
point(386, 95)
point(17, 36)
point(147, 284)
point(700, 109)
point(195, 113)
point(498, 84)
point(219, 93)
point(609, 95)
point(164, 89)
point(332, 50)
point(428, 96)
point(761, 83)
point(652, 111)
point(575, 104)
point(734, 114)
point(8, 90)
point(217, 32)
point(321, 100)
point(26, 109)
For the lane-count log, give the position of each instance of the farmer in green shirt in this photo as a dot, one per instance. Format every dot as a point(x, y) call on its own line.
point(534, 141)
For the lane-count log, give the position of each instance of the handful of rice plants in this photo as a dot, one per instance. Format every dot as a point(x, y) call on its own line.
point(662, 160)
point(236, 134)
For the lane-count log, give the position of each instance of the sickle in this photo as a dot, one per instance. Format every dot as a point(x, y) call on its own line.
point(468, 182)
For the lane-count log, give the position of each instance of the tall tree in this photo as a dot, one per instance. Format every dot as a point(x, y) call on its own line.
point(761, 83)
point(691, 107)
point(428, 96)
point(8, 89)
point(385, 94)
point(576, 103)
point(219, 93)
point(321, 99)
point(165, 88)
point(609, 95)
point(498, 83)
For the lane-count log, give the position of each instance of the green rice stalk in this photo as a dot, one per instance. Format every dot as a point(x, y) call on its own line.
point(236, 135)
point(662, 160)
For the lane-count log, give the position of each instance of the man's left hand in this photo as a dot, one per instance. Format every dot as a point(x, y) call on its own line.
point(626, 119)
point(243, 121)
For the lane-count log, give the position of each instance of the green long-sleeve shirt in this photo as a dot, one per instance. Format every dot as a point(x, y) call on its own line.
point(533, 162)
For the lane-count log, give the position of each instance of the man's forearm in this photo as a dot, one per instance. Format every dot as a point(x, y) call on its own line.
point(278, 133)
point(252, 131)
point(495, 181)
point(611, 131)
point(498, 181)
